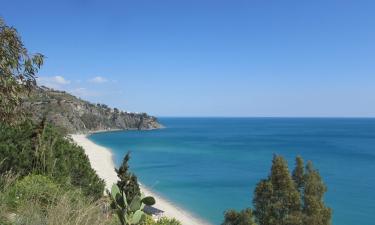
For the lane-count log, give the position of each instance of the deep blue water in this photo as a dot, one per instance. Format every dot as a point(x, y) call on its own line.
point(208, 165)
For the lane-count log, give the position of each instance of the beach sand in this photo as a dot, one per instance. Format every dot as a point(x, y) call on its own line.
point(101, 160)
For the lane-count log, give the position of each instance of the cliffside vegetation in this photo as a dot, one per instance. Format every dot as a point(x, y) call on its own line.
point(73, 115)
point(41, 149)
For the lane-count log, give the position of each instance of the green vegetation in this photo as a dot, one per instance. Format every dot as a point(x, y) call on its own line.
point(126, 198)
point(33, 188)
point(39, 200)
point(244, 217)
point(17, 73)
point(42, 149)
point(74, 115)
point(285, 199)
point(167, 221)
point(127, 182)
point(129, 213)
point(162, 221)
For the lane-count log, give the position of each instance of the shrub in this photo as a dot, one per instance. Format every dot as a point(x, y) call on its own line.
point(38, 200)
point(167, 221)
point(148, 220)
point(43, 149)
point(33, 188)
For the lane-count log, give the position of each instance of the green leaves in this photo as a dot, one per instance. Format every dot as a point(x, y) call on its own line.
point(288, 199)
point(17, 76)
point(128, 182)
point(131, 213)
point(117, 196)
point(244, 217)
point(42, 149)
point(135, 204)
point(137, 216)
point(149, 200)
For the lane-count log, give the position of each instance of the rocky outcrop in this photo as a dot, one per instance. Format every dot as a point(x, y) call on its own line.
point(75, 115)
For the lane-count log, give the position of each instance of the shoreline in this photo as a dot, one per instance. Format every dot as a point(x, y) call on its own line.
point(101, 159)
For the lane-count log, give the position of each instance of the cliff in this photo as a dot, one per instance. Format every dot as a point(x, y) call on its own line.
point(75, 115)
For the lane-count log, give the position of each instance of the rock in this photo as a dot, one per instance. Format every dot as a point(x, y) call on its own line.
point(75, 115)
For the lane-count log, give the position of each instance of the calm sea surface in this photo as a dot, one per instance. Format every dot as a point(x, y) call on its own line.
point(208, 165)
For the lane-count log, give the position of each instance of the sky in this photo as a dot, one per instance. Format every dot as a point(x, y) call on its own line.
point(234, 58)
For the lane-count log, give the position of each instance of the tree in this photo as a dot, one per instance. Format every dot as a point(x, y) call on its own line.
point(128, 182)
point(17, 73)
point(262, 202)
point(277, 201)
point(314, 210)
point(244, 217)
point(284, 199)
point(298, 174)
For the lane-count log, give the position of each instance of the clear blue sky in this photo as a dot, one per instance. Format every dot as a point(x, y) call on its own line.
point(207, 58)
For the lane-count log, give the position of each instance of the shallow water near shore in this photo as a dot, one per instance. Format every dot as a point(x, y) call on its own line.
point(208, 165)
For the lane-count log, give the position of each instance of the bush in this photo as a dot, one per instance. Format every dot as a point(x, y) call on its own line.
point(43, 149)
point(148, 220)
point(167, 221)
point(33, 188)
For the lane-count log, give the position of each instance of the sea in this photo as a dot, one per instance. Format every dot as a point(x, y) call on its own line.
point(210, 165)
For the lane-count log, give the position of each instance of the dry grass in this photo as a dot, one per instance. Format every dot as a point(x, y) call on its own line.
point(68, 208)
point(66, 211)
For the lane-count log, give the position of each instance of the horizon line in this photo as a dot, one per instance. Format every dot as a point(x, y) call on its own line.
point(273, 117)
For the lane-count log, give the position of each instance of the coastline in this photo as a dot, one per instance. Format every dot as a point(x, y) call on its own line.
point(101, 160)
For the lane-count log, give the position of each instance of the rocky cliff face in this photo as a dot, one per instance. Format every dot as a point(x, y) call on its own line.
point(77, 116)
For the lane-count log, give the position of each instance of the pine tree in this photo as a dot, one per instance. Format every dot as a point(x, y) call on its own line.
point(262, 202)
point(244, 217)
point(298, 174)
point(314, 210)
point(277, 201)
point(128, 182)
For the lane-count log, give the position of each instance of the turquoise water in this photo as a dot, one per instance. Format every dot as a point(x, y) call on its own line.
point(207, 165)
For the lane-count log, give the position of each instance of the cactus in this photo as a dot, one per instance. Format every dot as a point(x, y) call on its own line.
point(132, 213)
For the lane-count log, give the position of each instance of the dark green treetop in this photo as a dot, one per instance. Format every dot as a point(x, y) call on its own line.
point(314, 210)
point(285, 199)
point(299, 173)
point(276, 200)
point(244, 217)
point(128, 182)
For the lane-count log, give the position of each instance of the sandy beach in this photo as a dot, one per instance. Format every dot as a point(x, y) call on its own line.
point(101, 160)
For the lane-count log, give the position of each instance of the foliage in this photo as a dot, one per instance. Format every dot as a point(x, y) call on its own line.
point(167, 221)
point(314, 210)
point(285, 199)
point(33, 188)
point(41, 201)
point(298, 174)
point(277, 200)
point(129, 213)
point(147, 220)
point(128, 182)
point(28, 148)
point(17, 73)
point(244, 217)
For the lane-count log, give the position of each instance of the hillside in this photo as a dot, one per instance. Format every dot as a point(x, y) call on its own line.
point(75, 115)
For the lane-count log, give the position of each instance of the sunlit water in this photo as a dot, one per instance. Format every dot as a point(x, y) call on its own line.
point(208, 165)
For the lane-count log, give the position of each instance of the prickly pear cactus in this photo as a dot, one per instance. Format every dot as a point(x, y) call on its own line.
point(132, 213)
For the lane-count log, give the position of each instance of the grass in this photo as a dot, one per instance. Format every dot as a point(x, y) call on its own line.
point(37, 200)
